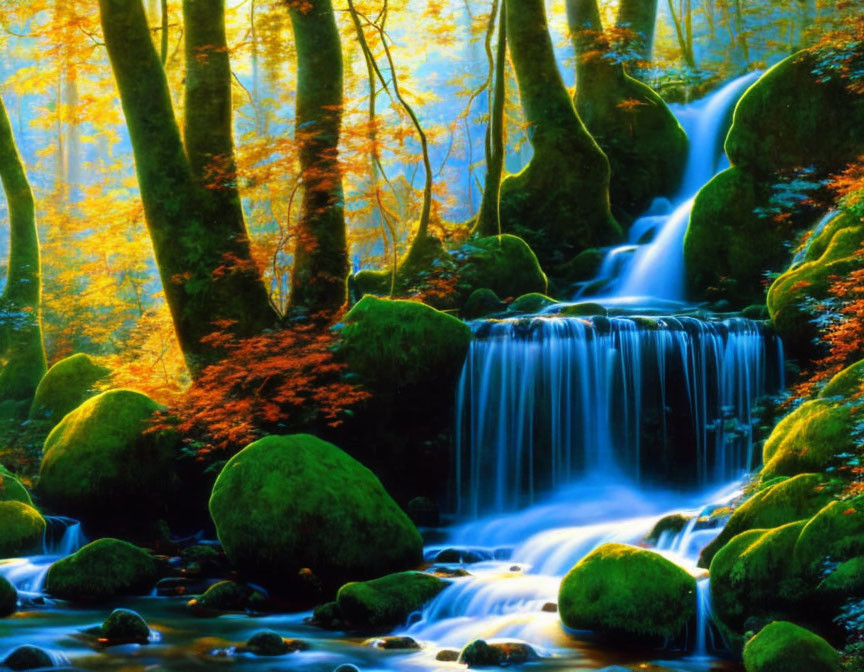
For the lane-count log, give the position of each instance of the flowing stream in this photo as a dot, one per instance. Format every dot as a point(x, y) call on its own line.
point(570, 432)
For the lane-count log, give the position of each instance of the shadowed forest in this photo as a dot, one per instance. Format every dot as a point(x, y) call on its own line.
point(388, 335)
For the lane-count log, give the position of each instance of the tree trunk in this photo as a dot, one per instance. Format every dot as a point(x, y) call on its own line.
point(680, 32)
point(23, 354)
point(208, 275)
point(560, 202)
point(318, 282)
point(489, 217)
point(640, 17)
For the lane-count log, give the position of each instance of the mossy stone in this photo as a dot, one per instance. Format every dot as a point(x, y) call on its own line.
point(846, 384)
point(626, 591)
point(505, 264)
point(28, 658)
point(394, 345)
point(226, 596)
point(102, 570)
point(834, 535)
point(8, 598)
point(790, 500)
point(786, 647)
point(66, 385)
point(101, 464)
point(125, 626)
point(808, 439)
point(12, 490)
point(530, 303)
point(481, 303)
point(389, 600)
point(22, 529)
point(285, 503)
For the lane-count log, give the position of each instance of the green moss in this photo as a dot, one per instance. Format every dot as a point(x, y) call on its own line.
point(629, 591)
point(834, 535)
point(807, 439)
point(846, 384)
point(792, 117)
point(393, 345)
point(12, 490)
point(387, 601)
point(226, 596)
point(481, 303)
point(754, 575)
point(785, 647)
point(673, 524)
point(505, 264)
point(124, 625)
point(285, 503)
point(833, 253)
point(102, 570)
point(790, 500)
point(530, 303)
point(68, 384)
point(22, 529)
point(102, 465)
point(8, 598)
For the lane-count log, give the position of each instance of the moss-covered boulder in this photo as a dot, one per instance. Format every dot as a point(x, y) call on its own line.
point(22, 529)
point(28, 657)
point(125, 626)
point(481, 303)
point(755, 575)
point(8, 598)
point(102, 570)
point(833, 253)
point(788, 501)
point(388, 601)
point(103, 465)
point(846, 384)
point(226, 596)
point(627, 592)
point(12, 490)
point(66, 385)
point(505, 264)
point(808, 439)
point(530, 303)
point(285, 503)
point(786, 647)
point(399, 345)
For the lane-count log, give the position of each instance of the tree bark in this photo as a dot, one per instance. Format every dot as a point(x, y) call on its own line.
point(23, 353)
point(319, 279)
point(640, 17)
point(209, 277)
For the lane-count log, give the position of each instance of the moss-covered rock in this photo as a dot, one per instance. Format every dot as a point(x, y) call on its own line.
point(755, 575)
point(22, 529)
point(530, 303)
point(8, 598)
point(832, 254)
point(788, 501)
point(846, 384)
point(102, 570)
point(12, 490)
point(226, 596)
point(830, 540)
point(505, 264)
point(481, 303)
point(29, 658)
point(394, 345)
point(388, 601)
point(629, 592)
point(101, 464)
point(808, 439)
point(785, 647)
point(290, 502)
point(671, 524)
point(66, 385)
point(125, 626)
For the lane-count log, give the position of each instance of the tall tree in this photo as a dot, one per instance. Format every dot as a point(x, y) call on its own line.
point(640, 18)
point(21, 349)
point(319, 278)
point(560, 202)
point(208, 274)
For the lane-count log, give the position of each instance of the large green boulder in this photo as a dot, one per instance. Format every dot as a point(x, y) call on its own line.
point(505, 264)
point(12, 490)
point(286, 503)
point(808, 439)
point(628, 592)
point(66, 385)
point(103, 464)
point(755, 575)
point(833, 254)
point(394, 346)
point(102, 570)
point(846, 384)
point(388, 601)
point(22, 529)
point(790, 500)
point(785, 647)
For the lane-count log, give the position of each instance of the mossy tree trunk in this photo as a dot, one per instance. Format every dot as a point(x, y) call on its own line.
point(489, 216)
point(21, 348)
point(319, 278)
point(640, 17)
point(560, 202)
point(209, 277)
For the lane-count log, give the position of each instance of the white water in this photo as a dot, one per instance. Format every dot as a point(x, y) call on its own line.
point(655, 271)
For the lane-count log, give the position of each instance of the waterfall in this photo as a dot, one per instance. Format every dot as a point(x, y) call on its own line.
point(543, 401)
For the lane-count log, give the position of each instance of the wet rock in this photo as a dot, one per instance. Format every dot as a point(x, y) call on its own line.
point(482, 303)
point(449, 572)
point(124, 626)
point(28, 658)
point(447, 656)
point(550, 608)
point(8, 598)
point(226, 596)
point(269, 643)
point(479, 653)
point(202, 560)
point(465, 556)
point(173, 586)
point(387, 601)
point(327, 616)
point(394, 643)
point(423, 512)
point(672, 524)
point(347, 668)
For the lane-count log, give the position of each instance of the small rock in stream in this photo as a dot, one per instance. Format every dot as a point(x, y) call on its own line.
point(28, 658)
point(124, 626)
point(269, 643)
